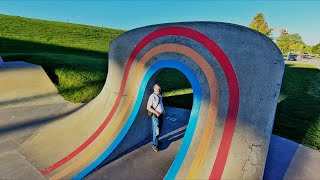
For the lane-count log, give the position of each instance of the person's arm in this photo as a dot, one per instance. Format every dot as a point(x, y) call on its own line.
point(149, 107)
point(153, 110)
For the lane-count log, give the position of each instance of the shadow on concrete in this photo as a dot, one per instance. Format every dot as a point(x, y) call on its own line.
point(170, 131)
point(280, 154)
point(28, 123)
point(165, 142)
point(26, 99)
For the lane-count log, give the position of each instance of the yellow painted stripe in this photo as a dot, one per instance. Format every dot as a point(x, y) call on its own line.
point(156, 50)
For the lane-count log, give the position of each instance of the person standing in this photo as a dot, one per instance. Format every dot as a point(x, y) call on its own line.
point(155, 106)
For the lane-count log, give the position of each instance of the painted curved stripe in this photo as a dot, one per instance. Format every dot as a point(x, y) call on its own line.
point(161, 48)
point(207, 135)
point(228, 70)
point(197, 98)
point(210, 78)
point(232, 82)
point(100, 128)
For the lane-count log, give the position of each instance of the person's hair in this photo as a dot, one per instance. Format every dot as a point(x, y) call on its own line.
point(157, 84)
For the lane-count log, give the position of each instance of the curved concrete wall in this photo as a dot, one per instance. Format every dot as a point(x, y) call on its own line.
point(236, 76)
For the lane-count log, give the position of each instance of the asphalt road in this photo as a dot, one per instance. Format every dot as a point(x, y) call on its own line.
point(314, 61)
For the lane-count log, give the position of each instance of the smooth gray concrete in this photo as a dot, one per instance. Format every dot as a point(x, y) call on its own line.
point(140, 161)
point(14, 166)
point(174, 121)
point(25, 84)
point(286, 159)
point(18, 123)
point(28, 101)
point(290, 160)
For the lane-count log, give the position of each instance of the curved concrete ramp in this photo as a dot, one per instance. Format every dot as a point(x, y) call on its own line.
point(25, 84)
point(235, 74)
point(28, 101)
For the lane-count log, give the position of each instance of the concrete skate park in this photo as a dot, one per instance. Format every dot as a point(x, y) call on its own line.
point(235, 74)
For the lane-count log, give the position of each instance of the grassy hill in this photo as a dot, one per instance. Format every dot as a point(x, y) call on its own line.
point(73, 55)
point(75, 58)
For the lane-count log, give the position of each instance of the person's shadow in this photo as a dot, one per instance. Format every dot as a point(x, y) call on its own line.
point(170, 134)
point(165, 142)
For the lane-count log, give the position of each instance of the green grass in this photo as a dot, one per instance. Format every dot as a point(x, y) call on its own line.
point(75, 58)
point(298, 112)
point(75, 37)
point(77, 78)
point(176, 88)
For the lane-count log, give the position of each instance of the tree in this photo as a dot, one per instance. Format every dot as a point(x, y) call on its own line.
point(260, 24)
point(316, 49)
point(307, 48)
point(290, 43)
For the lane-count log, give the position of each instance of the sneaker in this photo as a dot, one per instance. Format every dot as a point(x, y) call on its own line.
point(155, 149)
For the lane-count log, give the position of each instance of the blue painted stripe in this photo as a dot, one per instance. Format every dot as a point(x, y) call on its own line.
point(280, 154)
point(197, 97)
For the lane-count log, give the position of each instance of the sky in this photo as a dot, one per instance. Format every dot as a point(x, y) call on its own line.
point(300, 17)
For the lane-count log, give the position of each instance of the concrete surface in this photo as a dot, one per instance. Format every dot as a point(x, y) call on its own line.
point(25, 84)
point(236, 76)
point(14, 166)
point(290, 160)
point(286, 159)
point(140, 161)
point(24, 108)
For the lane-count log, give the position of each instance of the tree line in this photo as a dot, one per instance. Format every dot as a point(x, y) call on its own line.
point(286, 42)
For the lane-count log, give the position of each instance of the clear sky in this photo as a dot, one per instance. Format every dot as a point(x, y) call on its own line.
point(300, 17)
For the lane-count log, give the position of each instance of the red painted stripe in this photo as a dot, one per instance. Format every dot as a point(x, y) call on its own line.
point(101, 127)
point(229, 128)
point(232, 84)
